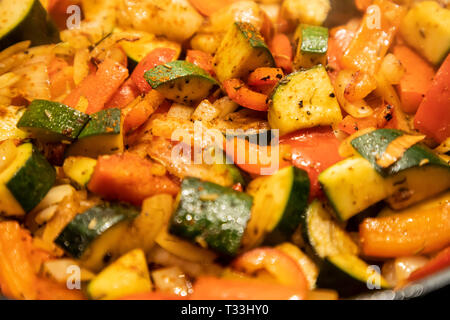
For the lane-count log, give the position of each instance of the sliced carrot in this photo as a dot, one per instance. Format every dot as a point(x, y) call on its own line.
point(242, 95)
point(201, 59)
point(417, 79)
point(281, 48)
point(265, 76)
point(99, 88)
point(210, 288)
point(406, 234)
point(433, 116)
point(128, 178)
point(155, 295)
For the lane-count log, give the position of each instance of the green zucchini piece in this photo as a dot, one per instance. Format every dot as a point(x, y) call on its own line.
point(52, 121)
point(241, 51)
point(337, 254)
point(211, 215)
point(102, 135)
point(126, 276)
point(25, 182)
point(349, 275)
point(312, 46)
point(181, 81)
point(353, 185)
point(26, 20)
point(373, 144)
point(304, 99)
point(79, 170)
point(141, 43)
point(278, 205)
point(426, 28)
point(85, 228)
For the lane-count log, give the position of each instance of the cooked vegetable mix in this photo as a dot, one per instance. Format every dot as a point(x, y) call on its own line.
point(196, 149)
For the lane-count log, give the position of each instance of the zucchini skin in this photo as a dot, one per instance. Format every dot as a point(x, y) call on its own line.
point(213, 214)
point(294, 209)
point(32, 181)
point(372, 145)
point(37, 27)
point(52, 121)
point(86, 227)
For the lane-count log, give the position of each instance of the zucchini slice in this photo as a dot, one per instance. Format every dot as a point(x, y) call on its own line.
point(312, 46)
point(426, 28)
point(241, 51)
point(79, 170)
point(25, 182)
point(137, 44)
point(279, 203)
point(304, 99)
point(372, 145)
point(52, 121)
point(102, 135)
point(353, 185)
point(340, 267)
point(181, 81)
point(211, 215)
point(78, 236)
point(349, 275)
point(26, 20)
point(125, 276)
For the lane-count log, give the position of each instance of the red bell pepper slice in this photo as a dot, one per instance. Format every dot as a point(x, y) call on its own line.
point(313, 150)
point(99, 88)
point(438, 263)
point(201, 59)
point(265, 76)
point(242, 95)
point(124, 96)
point(155, 58)
point(433, 115)
point(281, 48)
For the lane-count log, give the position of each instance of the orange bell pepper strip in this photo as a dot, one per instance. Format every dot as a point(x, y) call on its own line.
point(351, 125)
point(242, 95)
point(433, 116)
point(278, 264)
point(128, 178)
point(265, 76)
point(417, 79)
point(136, 115)
point(17, 276)
point(372, 41)
point(124, 96)
point(155, 58)
point(313, 150)
point(282, 51)
point(211, 288)
point(49, 290)
point(406, 234)
point(99, 88)
point(201, 59)
point(253, 158)
point(438, 263)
